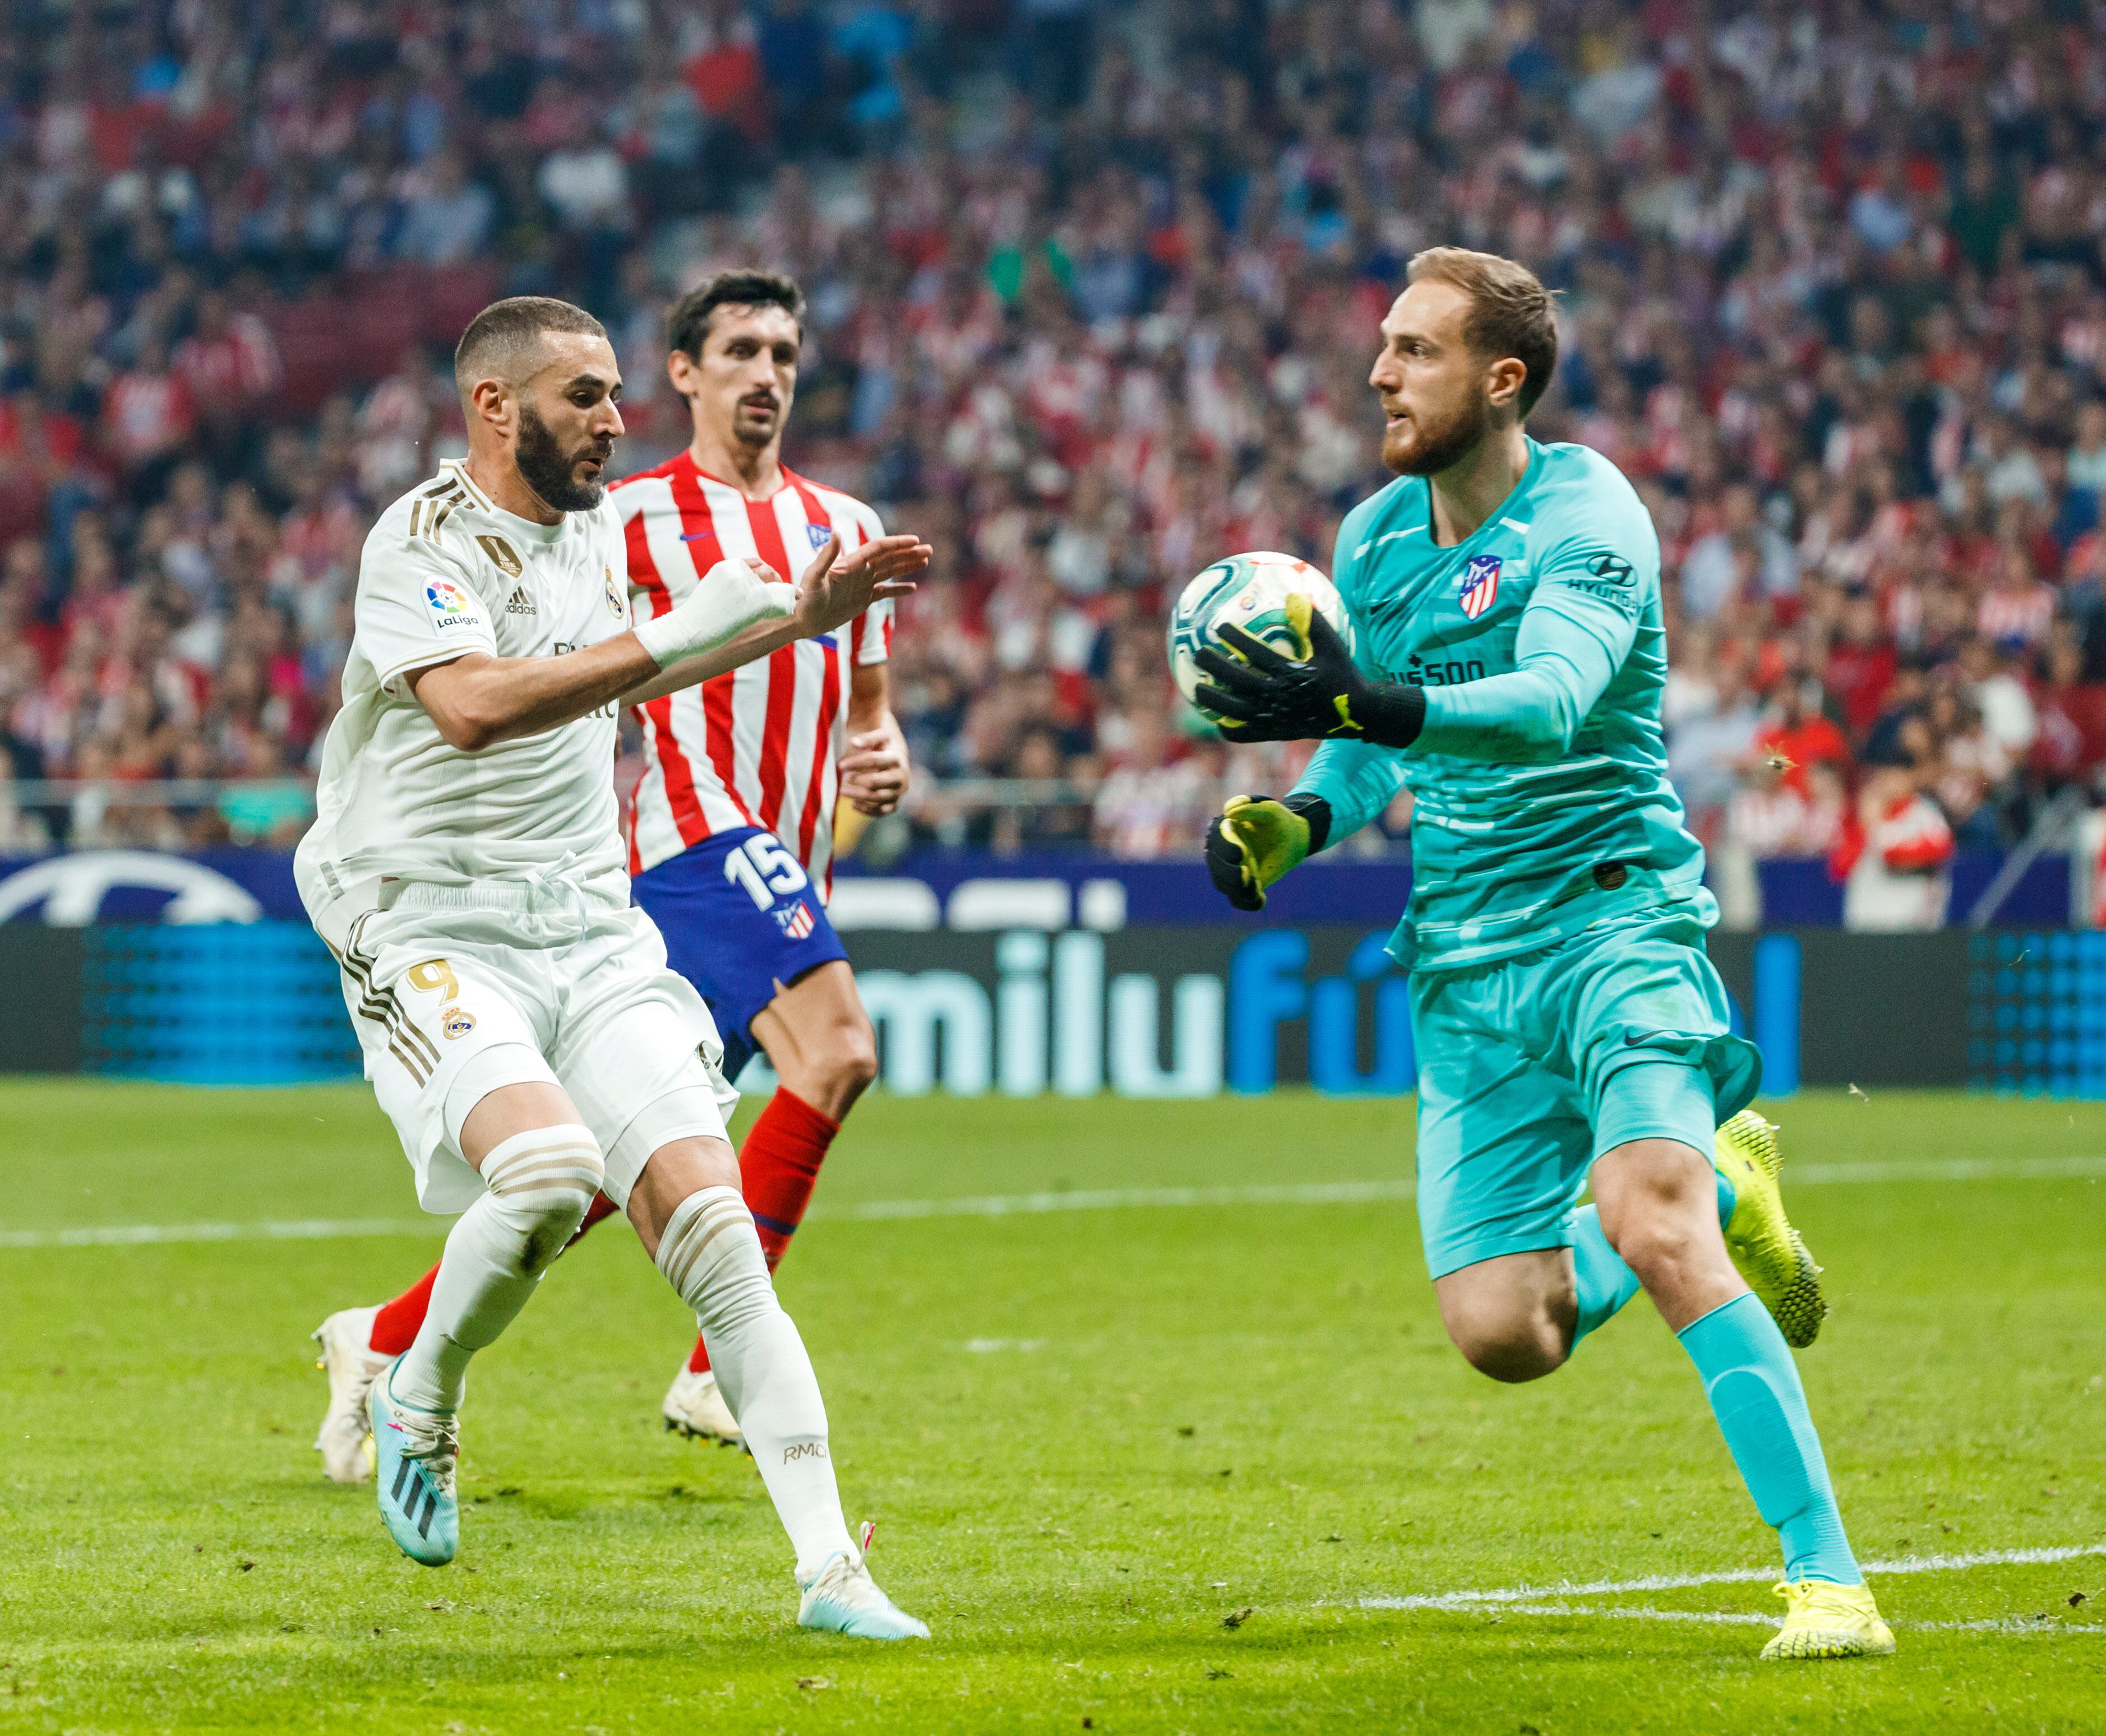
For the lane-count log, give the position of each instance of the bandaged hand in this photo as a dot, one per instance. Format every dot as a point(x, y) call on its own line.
point(732, 596)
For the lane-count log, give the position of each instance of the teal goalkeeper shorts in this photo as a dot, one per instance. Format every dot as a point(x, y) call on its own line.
point(1531, 1068)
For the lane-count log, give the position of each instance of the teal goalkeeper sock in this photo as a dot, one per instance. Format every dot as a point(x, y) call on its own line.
point(1604, 1282)
point(1753, 1384)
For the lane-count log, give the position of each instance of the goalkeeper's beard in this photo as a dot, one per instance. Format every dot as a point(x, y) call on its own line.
point(552, 473)
point(1439, 445)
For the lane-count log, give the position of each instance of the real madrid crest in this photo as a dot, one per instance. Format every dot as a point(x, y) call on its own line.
point(617, 604)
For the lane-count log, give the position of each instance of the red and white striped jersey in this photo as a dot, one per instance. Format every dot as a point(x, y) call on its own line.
point(761, 746)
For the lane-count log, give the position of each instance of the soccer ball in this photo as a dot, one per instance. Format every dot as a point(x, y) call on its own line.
point(1250, 591)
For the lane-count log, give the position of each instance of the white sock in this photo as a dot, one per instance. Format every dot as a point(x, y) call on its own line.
point(540, 1183)
point(711, 1255)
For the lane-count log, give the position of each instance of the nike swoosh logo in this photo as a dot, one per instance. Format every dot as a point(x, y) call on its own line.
point(698, 536)
point(1388, 536)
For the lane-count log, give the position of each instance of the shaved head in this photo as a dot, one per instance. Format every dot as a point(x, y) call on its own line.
point(507, 341)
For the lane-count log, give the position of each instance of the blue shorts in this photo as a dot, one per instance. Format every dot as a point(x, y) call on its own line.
point(1531, 1068)
point(742, 921)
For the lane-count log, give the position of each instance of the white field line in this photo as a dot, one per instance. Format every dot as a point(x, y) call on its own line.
point(1121, 1199)
point(1732, 1618)
point(1524, 1596)
point(1355, 1192)
point(133, 1235)
point(1061, 1200)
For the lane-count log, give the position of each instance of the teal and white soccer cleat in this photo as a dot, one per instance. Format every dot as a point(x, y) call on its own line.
point(1766, 1250)
point(843, 1599)
point(413, 1453)
point(344, 1441)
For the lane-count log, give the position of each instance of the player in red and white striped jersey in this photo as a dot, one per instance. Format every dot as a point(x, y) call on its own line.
point(732, 853)
point(763, 746)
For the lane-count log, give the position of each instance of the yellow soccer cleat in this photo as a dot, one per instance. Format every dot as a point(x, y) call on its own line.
point(1766, 1251)
point(1826, 1621)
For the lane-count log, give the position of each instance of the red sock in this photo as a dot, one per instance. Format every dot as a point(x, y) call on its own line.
point(777, 1166)
point(395, 1327)
point(598, 1212)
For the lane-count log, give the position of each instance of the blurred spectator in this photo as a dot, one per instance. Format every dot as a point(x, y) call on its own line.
point(1147, 804)
point(1795, 737)
point(1745, 559)
point(448, 218)
point(1895, 859)
point(1093, 294)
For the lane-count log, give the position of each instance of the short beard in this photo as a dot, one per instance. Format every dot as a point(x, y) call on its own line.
point(746, 435)
point(1443, 448)
point(548, 468)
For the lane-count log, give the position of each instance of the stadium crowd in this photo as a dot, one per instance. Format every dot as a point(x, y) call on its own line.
point(1094, 288)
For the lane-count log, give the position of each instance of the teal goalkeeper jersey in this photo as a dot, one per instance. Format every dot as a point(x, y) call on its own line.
point(1539, 781)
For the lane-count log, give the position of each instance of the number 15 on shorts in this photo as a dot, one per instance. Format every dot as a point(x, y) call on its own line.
point(764, 869)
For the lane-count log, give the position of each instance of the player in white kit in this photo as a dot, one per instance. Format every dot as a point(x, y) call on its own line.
point(520, 1026)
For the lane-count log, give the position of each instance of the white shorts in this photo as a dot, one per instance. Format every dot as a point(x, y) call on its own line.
point(455, 991)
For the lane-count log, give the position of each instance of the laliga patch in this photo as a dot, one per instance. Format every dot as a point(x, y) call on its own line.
point(1480, 585)
point(450, 605)
point(617, 604)
point(456, 1022)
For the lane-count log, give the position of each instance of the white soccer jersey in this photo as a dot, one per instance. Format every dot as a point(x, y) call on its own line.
point(762, 745)
point(446, 571)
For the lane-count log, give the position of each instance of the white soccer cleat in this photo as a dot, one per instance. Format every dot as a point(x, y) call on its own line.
point(845, 1599)
point(346, 1442)
point(695, 1406)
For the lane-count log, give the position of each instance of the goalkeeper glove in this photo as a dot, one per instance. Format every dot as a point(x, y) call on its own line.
point(1255, 840)
point(1259, 696)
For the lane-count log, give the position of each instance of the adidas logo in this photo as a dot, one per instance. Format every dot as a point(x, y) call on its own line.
point(520, 603)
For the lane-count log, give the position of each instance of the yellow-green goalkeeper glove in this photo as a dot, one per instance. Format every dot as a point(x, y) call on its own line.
point(1256, 839)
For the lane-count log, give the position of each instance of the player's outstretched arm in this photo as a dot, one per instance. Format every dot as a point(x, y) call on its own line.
point(832, 592)
point(1570, 642)
point(1573, 636)
point(480, 700)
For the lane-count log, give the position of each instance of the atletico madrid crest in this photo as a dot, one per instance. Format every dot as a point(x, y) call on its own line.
point(1481, 585)
point(795, 922)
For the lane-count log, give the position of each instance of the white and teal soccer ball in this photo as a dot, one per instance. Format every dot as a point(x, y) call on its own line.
point(1250, 591)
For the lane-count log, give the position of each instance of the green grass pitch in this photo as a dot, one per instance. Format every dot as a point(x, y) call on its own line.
point(1093, 1438)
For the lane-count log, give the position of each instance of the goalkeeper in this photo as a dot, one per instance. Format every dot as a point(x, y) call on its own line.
point(1510, 659)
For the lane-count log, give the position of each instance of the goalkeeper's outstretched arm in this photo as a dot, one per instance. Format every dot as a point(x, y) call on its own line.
point(1566, 651)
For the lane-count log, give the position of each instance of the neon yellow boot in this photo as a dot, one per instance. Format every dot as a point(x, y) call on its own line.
point(1826, 1621)
point(1766, 1251)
